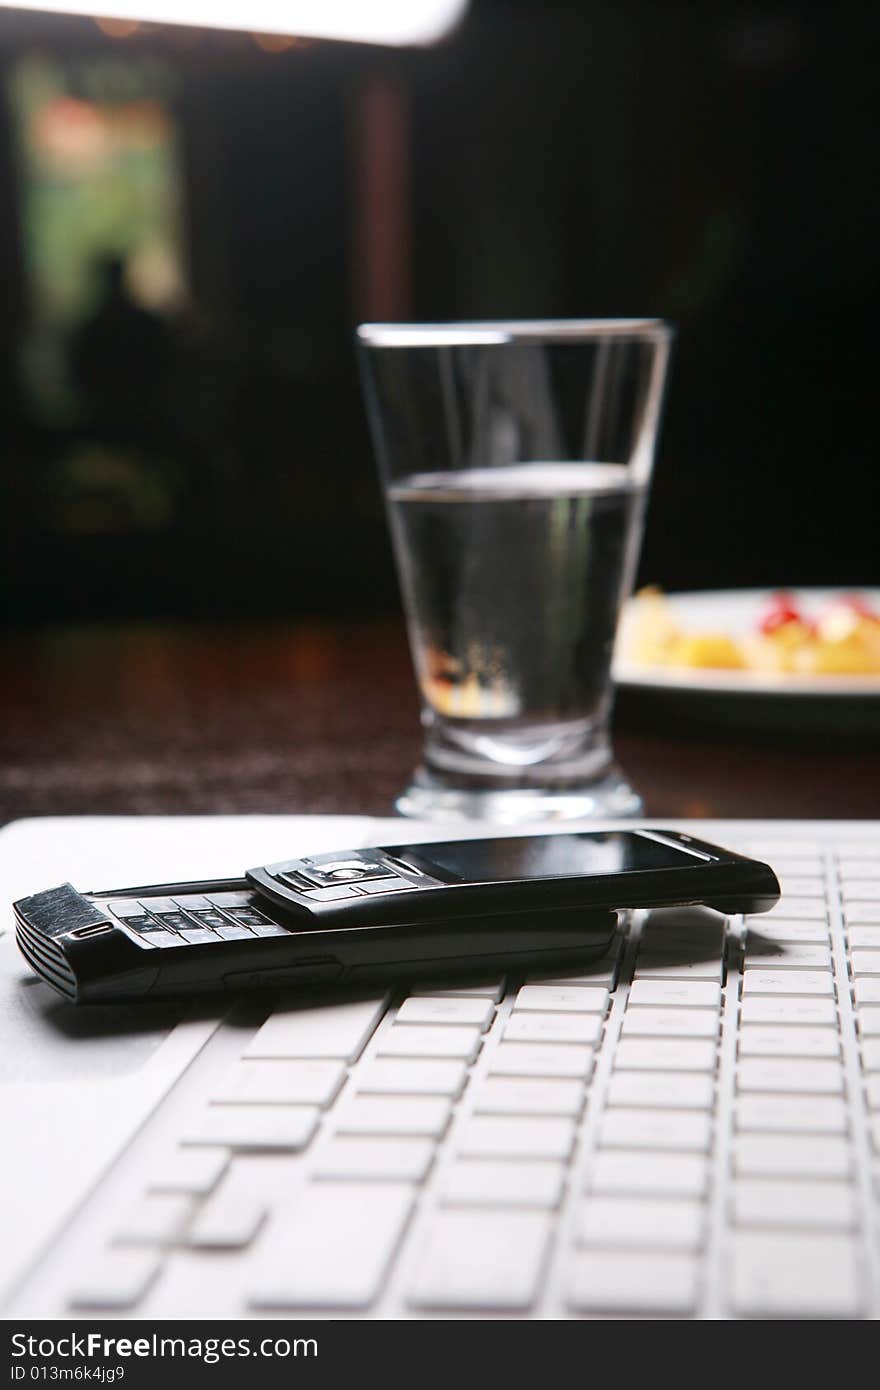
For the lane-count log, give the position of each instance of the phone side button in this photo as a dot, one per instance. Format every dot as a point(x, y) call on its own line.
point(310, 972)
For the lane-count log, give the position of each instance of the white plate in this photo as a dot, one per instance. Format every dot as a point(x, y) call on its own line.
point(736, 611)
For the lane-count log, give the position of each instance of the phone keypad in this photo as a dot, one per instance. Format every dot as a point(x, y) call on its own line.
point(150, 930)
point(195, 921)
point(256, 921)
point(175, 921)
point(199, 936)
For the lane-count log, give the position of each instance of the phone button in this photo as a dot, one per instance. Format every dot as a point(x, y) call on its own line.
point(344, 870)
point(310, 972)
point(336, 893)
point(389, 885)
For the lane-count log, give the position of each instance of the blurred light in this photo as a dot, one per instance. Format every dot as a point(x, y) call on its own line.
point(395, 22)
point(118, 28)
point(153, 278)
point(275, 43)
point(72, 136)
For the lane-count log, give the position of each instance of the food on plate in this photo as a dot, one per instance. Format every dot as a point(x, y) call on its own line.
point(841, 638)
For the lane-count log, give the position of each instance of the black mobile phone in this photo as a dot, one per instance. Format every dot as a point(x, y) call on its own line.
point(389, 912)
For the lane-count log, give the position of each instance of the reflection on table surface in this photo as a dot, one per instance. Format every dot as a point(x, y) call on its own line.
point(319, 716)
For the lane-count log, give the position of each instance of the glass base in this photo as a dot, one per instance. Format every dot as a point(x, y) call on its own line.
point(611, 798)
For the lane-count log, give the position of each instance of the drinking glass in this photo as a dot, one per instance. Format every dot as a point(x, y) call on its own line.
point(515, 460)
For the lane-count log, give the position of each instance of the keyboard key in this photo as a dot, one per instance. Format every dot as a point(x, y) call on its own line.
point(792, 1114)
point(117, 1279)
point(332, 1247)
point(158, 1219)
point(560, 999)
point(660, 1174)
point(793, 955)
point(501, 1095)
point(794, 864)
point(869, 1022)
point(861, 890)
point(872, 1092)
point(866, 991)
point(411, 1076)
point(862, 913)
point(423, 1040)
point(670, 1023)
point(795, 1009)
point(759, 1155)
point(796, 1275)
point(482, 989)
point(509, 1183)
point(553, 1028)
point(853, 867)
point(777, 849)
point(803, 933)
point(602, 975)
point(777, 1040)
point(281, 1082)
point(481, 1260)
point(503, 1136)
point(406, 1160)
point(281, 1127)
point(595, 973)
point(696, 925)
point(795, 1075)
point(803, 909)
point(865, 963)
point(858, 937)
point(332, 1030)
point(665, 1054)
point(670, 1224)
point(656, 1129)
point(810, 982)
point(649, 1283)
point(196, 1171)
point(809, 1204)
point(227, 1221)
point(448, 1009)
point(684, 1090)
point(802, 886)
point(871, 1054)
point(694, 994)
point(424, 1115)
point(655, 966)
point(541, 1059)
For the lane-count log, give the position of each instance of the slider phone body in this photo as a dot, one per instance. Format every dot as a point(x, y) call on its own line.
point(382, 913)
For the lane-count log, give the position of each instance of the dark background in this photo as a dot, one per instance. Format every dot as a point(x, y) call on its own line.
point(714, 165)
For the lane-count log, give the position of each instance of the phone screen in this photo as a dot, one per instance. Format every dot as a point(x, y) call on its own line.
point(546, 856)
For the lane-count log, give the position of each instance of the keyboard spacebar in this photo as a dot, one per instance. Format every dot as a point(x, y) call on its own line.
point(332, 1249)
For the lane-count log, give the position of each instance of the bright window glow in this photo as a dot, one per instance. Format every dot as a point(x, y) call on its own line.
point(394, 22)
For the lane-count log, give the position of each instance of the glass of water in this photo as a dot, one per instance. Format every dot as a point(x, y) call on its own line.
point(515, 459)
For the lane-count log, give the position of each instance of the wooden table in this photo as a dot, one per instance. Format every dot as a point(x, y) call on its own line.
point(320, 716)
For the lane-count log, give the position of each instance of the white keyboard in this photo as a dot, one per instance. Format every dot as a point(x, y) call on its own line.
point(689, 1128)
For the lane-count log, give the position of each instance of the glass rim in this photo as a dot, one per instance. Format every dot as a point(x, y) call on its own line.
point(495, 332)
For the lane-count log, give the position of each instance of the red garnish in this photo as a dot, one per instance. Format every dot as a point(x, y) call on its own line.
point(781, 609)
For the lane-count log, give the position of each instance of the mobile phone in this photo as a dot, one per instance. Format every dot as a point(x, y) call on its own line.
point(382, 913)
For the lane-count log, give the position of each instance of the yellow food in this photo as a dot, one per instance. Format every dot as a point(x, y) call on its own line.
point(706, 649)
point(843, 640)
